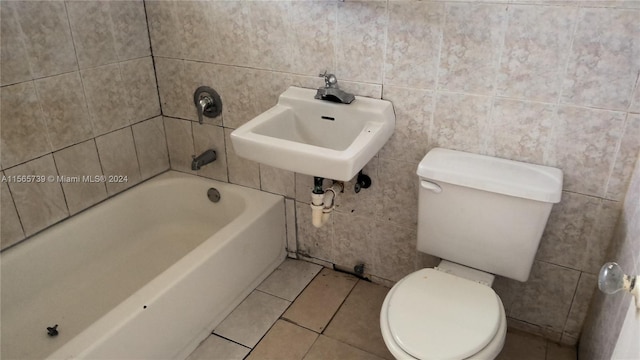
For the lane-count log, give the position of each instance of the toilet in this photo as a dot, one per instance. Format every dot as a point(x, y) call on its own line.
point(483, 216)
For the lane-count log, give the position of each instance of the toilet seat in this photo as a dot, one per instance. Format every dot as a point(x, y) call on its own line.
point(430, 314)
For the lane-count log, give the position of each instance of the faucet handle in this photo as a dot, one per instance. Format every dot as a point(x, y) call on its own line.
point(330, 80)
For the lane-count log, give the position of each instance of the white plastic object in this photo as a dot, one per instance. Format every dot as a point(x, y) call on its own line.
point(502, 176)
point(431, 186)
point(435, 315)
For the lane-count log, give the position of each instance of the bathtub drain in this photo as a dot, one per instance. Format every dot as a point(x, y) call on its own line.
point(213, 194)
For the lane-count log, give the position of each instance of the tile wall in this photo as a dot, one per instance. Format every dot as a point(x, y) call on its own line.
point(78, 98)
point(548, 82)
point(607, 312)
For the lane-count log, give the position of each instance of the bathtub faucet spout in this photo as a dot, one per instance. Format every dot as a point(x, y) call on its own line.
point(203, 159)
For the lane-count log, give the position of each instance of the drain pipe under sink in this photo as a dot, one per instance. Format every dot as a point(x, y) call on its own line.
point(323, 201)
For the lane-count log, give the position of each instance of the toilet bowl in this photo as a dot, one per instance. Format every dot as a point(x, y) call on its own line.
point(483, 216)
point(432, 314)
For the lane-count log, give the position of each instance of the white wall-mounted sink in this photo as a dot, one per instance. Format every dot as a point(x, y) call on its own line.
point(316, 137)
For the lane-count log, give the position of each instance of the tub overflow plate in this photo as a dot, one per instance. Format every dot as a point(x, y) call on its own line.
point(213, 194)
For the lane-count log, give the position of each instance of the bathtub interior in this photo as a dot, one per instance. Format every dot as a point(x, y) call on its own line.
point(76, 272)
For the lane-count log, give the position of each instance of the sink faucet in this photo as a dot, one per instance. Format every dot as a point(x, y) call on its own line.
point(203, 159)
point(331, 91)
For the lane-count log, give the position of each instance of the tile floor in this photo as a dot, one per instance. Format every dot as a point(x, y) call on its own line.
point(304, 311)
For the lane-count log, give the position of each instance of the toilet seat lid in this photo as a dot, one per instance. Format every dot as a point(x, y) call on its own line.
point(435, 315)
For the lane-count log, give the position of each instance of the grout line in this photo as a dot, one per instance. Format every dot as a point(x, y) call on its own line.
point(225, 338)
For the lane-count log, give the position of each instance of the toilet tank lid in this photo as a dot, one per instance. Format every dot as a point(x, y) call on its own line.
point(502, 176)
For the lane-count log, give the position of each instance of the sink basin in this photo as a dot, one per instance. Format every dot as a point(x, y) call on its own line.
point(316, 137)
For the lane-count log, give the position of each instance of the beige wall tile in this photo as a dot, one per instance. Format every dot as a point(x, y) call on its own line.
point(626, 159)
point(270, 45)
point(179, 143)
point(141, 90)
point(521, 131)
point(200, 40)
point(235, 47)
point(586, 286)
point(585, 147)
point(395, 250)
point(24, 134)
point(414, 111)
point(566, 238)
point(535, 52)
point(151, 147)
point(277, 181)
point(360, 40)
point(241, 171)
point(10, 227)
point(460, 122)
point(106, 96)
point(357, 322)
point(81, 160)
point(317, 304)
point(47, 38)
point(603, 55)
point(473, 34)
point(211, 137)
point(312, 48)
point(118, 158)
point(284, 341)
point(13, 67)
point(175, 99)
point(251, 320)
point(546, 297)
point(92, 32)
point(130, 31)
point(600, 236)
point(165, 29)
point(399, 192)
point(65, 109)
point(414, 36)
point(635, 102)
point(249, 92)
point(39, 204)
point(355, 242)
point(105, 32)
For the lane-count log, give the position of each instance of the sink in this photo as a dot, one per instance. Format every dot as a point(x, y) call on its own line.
point(316, 137)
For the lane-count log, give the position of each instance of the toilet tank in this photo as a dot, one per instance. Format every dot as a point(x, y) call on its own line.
point(484, 212)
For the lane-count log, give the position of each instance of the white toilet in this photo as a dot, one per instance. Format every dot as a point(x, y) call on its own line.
point(482, 216)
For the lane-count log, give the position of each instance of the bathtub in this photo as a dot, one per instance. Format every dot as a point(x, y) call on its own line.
point(147, 274)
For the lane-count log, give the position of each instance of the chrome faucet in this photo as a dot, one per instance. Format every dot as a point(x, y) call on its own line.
point(203, 159)
point(331, 91)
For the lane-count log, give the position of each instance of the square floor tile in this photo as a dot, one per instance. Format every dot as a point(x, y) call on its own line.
point(285, 341)
point(248, 323)
point(217, 348)
point(523, 346)
point(317, 304)
point(559, 352)
point(289, 279)
point(326, 348)
point(357, 322)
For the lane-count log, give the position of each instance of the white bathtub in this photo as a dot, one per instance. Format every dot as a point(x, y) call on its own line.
point(145, 275)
